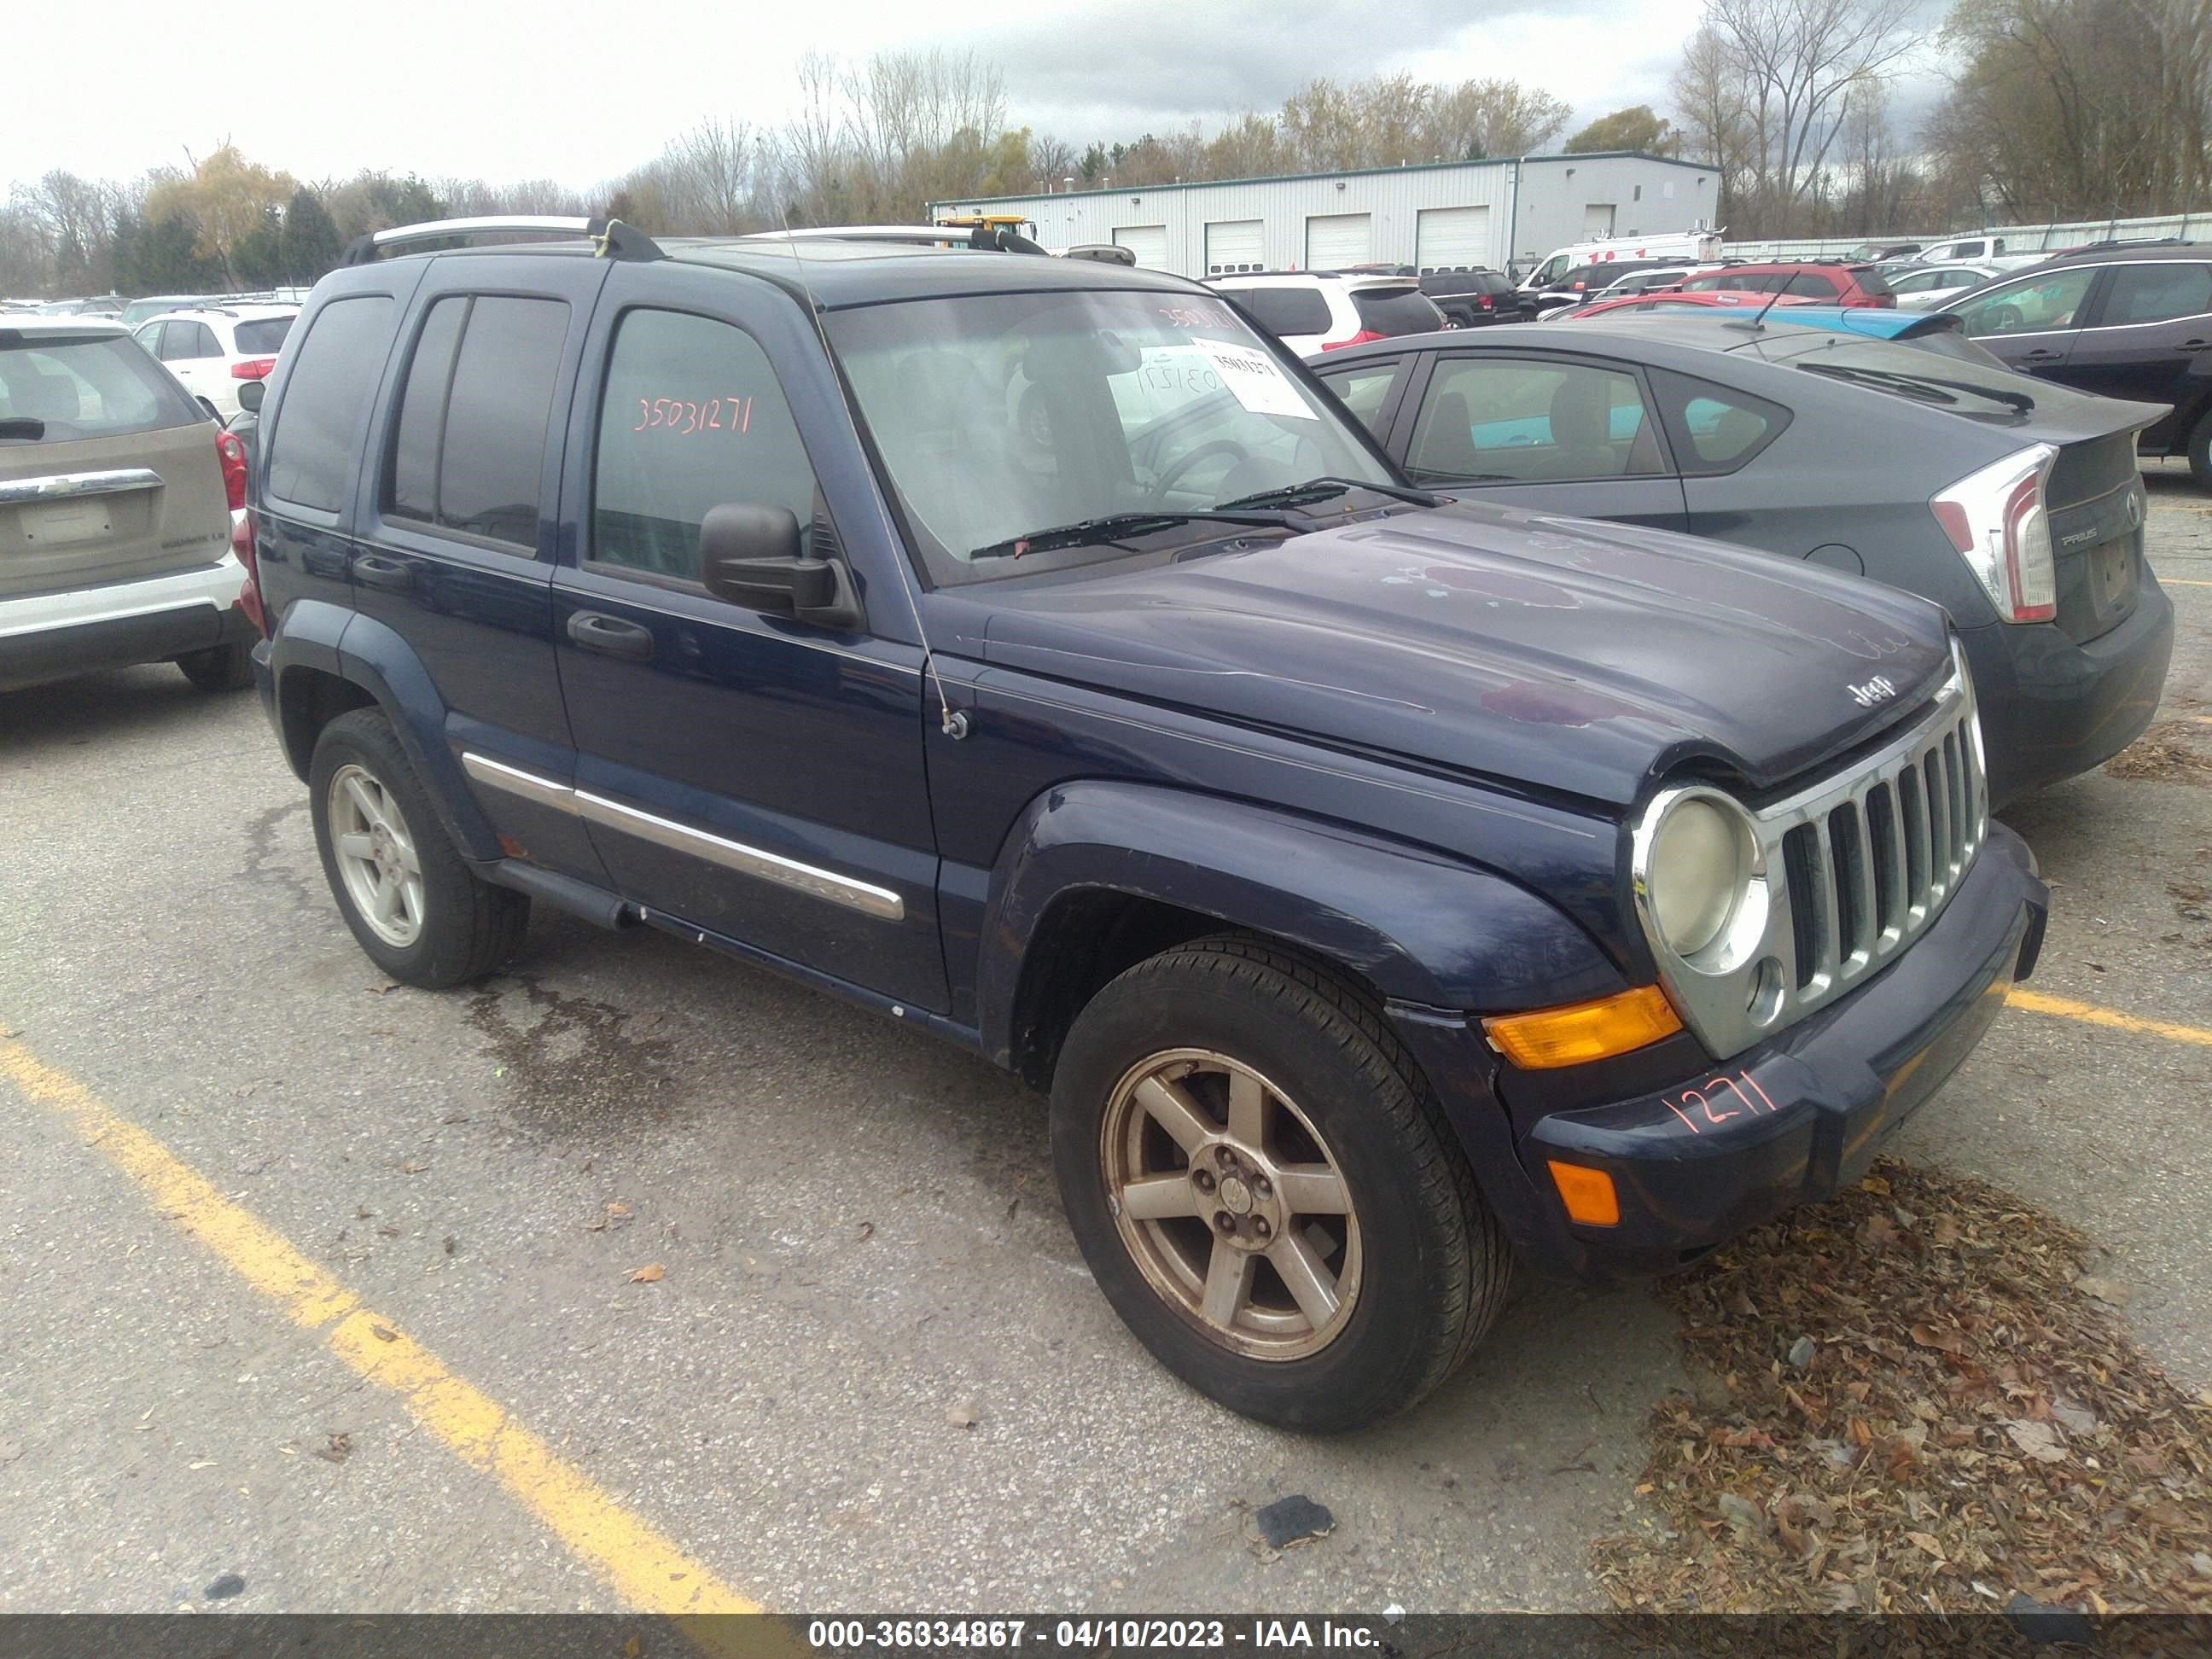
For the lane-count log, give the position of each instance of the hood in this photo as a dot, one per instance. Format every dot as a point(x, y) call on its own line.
point(1556, 653)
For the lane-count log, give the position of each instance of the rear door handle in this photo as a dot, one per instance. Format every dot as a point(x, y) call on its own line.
point(610, 636)
point(2044, 357)
point(2195, 345)
point(389, 575)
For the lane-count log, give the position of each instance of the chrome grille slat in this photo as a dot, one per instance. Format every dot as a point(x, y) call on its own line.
point(1875, 851)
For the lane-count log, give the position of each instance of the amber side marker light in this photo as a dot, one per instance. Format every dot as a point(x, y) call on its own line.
point(1588, 1194)
point(1584, 1031)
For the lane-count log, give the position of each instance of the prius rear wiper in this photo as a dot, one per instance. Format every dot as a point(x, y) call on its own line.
point(1090, 533)
point(1913, 386)
point(1327, 488)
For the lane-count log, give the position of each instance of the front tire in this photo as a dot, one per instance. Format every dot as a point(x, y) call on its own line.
point(219, 668)
point(1265, 1188)
point(413, 903)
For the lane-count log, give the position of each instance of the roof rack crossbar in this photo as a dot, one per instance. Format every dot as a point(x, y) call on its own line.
point(615, 240)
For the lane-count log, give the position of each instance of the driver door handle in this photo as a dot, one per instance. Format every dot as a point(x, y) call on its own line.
point(2195, 345)
point(2044, 355)
point(610, 636)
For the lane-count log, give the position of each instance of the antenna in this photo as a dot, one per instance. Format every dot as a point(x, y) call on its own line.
point(1774, 299)
point(951, 721)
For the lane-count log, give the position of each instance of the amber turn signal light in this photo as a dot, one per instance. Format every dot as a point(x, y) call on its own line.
point(1588, 1194)
point(1584, 1031)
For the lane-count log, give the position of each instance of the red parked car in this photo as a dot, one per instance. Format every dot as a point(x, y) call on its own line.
point(1822, 281)
point(1675, 300)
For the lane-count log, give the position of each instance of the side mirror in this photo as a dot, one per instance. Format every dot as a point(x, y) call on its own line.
point(250, 394)
point(752, 556)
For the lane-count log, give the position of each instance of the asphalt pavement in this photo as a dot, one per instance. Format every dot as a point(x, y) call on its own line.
point(394, 1351)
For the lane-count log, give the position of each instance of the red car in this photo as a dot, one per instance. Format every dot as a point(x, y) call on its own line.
point(1675, 300)
point(1820, 282)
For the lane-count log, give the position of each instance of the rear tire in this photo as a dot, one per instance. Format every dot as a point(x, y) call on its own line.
point(413, 903)
point(219, 668)
point(2200, 453)
point(1330, 1186)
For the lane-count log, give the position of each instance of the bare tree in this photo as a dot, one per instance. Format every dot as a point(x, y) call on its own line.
point(1794, 64)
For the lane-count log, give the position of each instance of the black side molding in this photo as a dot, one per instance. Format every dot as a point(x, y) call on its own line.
point(564, 893)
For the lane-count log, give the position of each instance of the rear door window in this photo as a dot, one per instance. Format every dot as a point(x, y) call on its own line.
point(692, 417)
point(2037, 305)
point(1512, 419)
point(1394, 311)
point(468, 455)
point(1285, 311)
point(51, 392)
point(2156, 294)
point(318, 421)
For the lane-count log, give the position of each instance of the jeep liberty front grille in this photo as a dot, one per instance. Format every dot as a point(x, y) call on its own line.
point(1855, 868)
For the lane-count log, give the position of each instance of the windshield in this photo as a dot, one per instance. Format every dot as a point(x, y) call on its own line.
point(1001, 415)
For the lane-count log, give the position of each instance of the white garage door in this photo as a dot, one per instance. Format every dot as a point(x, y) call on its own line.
point(1233, 245)
point(1334, 240)
point(1451, 239)
point(1148, 242)
point(1597, 219)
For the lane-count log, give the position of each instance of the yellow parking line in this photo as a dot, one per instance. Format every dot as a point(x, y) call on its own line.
point(645, 1568)
point(2090, 1014)
point(2183, 581)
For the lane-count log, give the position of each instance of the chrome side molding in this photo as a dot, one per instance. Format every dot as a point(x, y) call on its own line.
point(755, 862)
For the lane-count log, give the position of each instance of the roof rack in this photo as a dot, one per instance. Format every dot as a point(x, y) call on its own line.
point(614, 238)
point(982, 235)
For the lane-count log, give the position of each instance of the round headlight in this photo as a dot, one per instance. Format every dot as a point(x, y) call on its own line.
point(1696, 874)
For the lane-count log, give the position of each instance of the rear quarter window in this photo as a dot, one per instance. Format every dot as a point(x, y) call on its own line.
point(1716, 429)
point(1285, 311)
point(1871, 281)
point(53, 391)
point(1396, 311)
point(317, 428)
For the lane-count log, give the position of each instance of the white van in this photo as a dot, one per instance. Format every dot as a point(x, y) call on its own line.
point(1699, 247)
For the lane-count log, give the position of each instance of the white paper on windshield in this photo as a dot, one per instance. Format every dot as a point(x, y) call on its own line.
point(1253, 379)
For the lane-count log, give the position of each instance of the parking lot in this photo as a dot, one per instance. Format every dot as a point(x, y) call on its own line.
point(638, 1278)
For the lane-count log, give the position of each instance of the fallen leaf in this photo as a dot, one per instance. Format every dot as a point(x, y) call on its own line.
point(413, 1169)
point(339, 1448)
point(1949, 1341)
point(1927, 1543)
point(962, 1415)
point(2110, 1291)
point(382, 1334)
point(647, 1274)
point(2038, 1440)
point(867, 1231)
point(1874, 1184)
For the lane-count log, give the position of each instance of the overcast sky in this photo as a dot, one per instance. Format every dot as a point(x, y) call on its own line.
point(509, 89)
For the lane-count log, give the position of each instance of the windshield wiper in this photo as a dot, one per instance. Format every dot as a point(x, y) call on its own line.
point(1924, 387)
point(1327, 488)
point(1088, 533)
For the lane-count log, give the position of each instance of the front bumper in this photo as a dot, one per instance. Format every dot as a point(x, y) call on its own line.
point(2053, 710)
point(51, 636)
point(1787, 1122)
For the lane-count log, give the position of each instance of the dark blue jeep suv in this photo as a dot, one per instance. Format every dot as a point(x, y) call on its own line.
point(1024, 648)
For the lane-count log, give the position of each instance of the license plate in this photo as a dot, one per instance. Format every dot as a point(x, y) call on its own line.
point(70, 521)
point(2114, 565)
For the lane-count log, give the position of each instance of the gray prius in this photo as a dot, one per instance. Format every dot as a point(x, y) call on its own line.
point(2015, 504)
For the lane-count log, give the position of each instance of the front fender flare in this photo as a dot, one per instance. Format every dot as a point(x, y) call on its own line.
point(1420, 926)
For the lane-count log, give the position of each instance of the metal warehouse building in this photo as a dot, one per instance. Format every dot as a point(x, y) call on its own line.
point(1449, 214)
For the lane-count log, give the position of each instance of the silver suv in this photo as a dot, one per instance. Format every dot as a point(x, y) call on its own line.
point(1311, 311)
point(118, 497)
